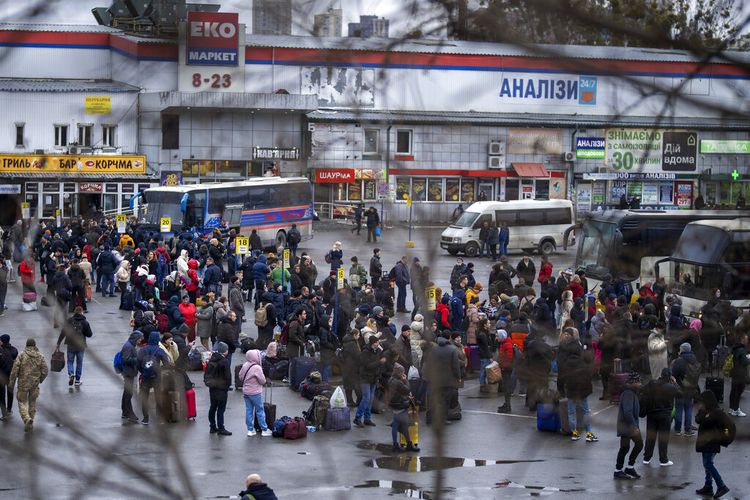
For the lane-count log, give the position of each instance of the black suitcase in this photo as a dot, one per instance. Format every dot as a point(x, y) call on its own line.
point(126, 300)
point(238, 383)
point(716, 385)
point(268, 407)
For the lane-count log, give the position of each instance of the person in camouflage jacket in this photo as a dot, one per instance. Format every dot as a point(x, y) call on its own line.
point(29, 370)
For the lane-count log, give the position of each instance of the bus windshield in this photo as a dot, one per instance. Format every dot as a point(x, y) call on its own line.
point(466, 219)
point(594, 246)
point(162, 204)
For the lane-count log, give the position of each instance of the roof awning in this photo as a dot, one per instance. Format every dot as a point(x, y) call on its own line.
point(530, 170)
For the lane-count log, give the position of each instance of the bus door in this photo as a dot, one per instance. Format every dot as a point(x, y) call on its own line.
point(233, 214)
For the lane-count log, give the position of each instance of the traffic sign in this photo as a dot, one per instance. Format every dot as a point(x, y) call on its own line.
point(242, 244)
point(122, 223)
point(165, 224)
point(340, 276)
point(25, 210)
point(287, 254)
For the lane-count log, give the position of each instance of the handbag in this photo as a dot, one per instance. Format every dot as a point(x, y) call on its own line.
point(57, 361)
point(88, 291)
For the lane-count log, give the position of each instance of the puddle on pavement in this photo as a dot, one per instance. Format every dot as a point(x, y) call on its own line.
point(535, 490)
point(414, 463)
point(410, 490)
point(372, 445)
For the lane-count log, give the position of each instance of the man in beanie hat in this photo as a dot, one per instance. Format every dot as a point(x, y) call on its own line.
point(8, 355)
point(628, 428)
point(659, 398)
point(686, 370)
point(218, 379)
point(398, 389)
point(29, 370)
point(402, 348)
point(369, 361)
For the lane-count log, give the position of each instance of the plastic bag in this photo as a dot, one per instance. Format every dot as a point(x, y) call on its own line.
point(338, 400)
point(494, 373)
point(413, 373)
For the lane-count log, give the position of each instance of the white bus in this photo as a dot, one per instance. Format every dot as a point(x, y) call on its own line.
point(268, 204)
point(710, 254)
point(533, 224)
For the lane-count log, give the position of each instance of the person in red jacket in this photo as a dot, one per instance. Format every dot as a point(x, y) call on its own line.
point(192, 287)
point(442, 314)
point(505, 360)
point(27, 271)
point(576, 287)
point(189, 311)
point(545, 270)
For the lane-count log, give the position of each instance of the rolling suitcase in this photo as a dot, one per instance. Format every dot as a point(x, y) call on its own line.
point(617, 381)
point(716, 384)
point(337, 419)
point(190, 406)
point(299, 369)
point(548, 417)
point(268, 408)
point(126, 300)
point(238, 383)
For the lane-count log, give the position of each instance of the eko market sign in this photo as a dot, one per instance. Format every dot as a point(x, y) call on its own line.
point(651, 150)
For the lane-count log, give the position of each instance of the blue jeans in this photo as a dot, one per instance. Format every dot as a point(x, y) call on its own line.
point(325, 372)
point(77, 357)
point(504, 250)
point(254, 406)
point(108, 283)
point(711, 472)
point(365, 405)
point(584, 405)
point(683, 405)
point(482, 373)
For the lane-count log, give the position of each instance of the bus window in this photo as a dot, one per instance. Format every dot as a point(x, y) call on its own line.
point(217, 199)
point(258, 198)
point(508, 216)
point(195, 209)
point(484, 218)
point(561, 216)
point(534, 217)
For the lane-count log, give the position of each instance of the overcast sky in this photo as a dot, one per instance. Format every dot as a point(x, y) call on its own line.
point(402, 20)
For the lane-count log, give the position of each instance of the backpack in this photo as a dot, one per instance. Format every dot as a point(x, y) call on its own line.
point(354, 280)
point(328, 257)
point(162, 322)
point(117, 363)
point(150, 364)
point(392, 273)
point(284, 339)
point(209, 376)
point(729, 433)
point(261, 316)
point(317, 413)
point(728, 366)
point(456, 305)
point(692, 374)
point(161, 261)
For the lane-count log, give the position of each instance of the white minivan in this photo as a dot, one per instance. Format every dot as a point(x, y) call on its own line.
point(533, 224)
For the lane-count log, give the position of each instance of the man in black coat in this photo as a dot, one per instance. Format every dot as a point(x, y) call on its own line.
point(8, 355)
point(376, 268)
point(218, 378)
point(442, 369)
point(657, 400)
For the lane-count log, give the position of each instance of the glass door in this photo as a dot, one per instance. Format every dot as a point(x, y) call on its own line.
point(486, 191)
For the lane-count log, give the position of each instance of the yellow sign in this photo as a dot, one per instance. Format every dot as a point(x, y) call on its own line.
point(25, 210)
point(122, 223)
point(73, 164)
point(165, 224)
point(98, 105)
point(340, 276)
point(286, 258)
point(242, 244)
point(431, 298)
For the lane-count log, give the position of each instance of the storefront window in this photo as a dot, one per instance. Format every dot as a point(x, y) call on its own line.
point(467, 190)
point(110, 202)
point(737, 189)
point(341, 192)
point(511, 189)
point(666, 193)
point(542, 189)
point(434, 189)
point(419, 189)
point(125, 201)
point(369, 190)
point(711, 193)
point(402, 187)
point(33, 201)
point(452, 189)
point(51, 203)
point(355, 191)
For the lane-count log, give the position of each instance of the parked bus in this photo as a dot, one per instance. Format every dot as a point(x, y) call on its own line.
point(533, 224)
point(710, 255)
point(626, 244)
point(268, 204)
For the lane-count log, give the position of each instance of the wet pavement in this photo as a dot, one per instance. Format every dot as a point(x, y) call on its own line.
point(80, 449)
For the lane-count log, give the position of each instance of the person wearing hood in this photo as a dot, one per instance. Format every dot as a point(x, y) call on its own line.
point(218, 379)
point(565, 308)
point(442, 313)
point(29, 371)
point(74, 332)
point(400, 401)
point(182, 263)
point(628, 428)
point(574, 363)
point(78, 285)
point(221, 309)
point(658, 358)
point(151, 361)
point(192, 280)
point(350, 352)
point(657, 400)
point(173, 313)
point(253, 381)
point(686, 370)
point(441, 368)
point(740, 362)
point(415, 339)
point(255, 488)
point(226, 331)
point(236, 300)
point(260, 275)
point(336, 256)
point(129, 356)
point(8, 355)
point(205, 320)
point(123, 276)
point(715, 429)
point(189, 313)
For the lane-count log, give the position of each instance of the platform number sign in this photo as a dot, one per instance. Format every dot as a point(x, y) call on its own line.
point(165, 225)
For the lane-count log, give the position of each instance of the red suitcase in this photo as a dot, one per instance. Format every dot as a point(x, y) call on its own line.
point(190, 404)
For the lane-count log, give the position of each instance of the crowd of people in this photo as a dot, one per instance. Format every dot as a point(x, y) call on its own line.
point(190, 295)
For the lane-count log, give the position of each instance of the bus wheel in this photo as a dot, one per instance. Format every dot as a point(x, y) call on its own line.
point(546, 247)
point(453, 251)
point(280, 239)
point(472, 249)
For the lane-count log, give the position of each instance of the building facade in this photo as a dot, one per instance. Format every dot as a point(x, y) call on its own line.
point(369, 27)
point(272, 17)
point(328, 23)
point(446, 124)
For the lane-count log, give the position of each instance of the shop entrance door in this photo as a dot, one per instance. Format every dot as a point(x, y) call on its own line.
point(486, 191)
point(527, 189)
point(88, 204)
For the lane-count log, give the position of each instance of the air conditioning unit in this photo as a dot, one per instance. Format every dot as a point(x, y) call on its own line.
point(497, 148)
point(496, 162)
point(569, 156)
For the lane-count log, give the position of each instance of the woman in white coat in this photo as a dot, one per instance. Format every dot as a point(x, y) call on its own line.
point(657, 351)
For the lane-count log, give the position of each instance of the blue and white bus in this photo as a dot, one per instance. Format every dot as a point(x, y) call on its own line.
point(268, 204)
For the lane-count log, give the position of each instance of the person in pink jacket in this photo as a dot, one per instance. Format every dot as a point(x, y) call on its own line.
point(253, 381)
